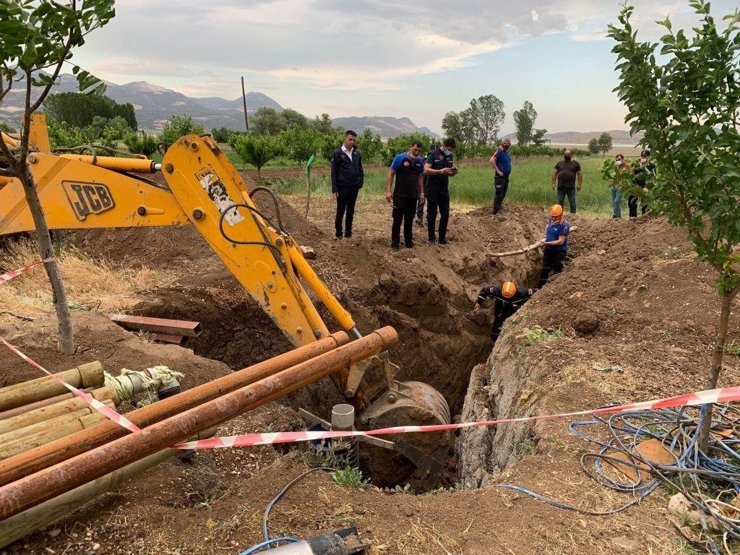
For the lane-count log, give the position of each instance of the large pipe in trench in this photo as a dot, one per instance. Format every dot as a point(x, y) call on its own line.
point(50, 482)
point(24, 464)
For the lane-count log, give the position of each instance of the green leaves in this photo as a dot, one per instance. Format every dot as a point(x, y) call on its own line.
point(686, 103)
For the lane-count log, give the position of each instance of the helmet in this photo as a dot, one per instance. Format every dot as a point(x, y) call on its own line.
point(508, 289)
point(556, 211)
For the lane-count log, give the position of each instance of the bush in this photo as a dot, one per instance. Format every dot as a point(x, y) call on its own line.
point(257, 149)
point(141, 144)
point(179, 126)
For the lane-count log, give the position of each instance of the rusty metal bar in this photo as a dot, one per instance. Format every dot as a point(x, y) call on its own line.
point(90, 465)
point(44, 456)
point(169, 338)
point(157, 325)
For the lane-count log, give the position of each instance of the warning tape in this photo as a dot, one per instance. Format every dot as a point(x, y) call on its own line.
point(4, 278)
point(723, 395)
point(89, 399)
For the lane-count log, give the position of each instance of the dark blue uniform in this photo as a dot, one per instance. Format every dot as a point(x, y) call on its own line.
point(438, 194)
point(405, 193)
point(552, 258)
point(347, 178)
point(501, 182)
point(502, 307)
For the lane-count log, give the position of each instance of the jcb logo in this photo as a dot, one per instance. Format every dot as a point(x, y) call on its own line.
point(88, 198)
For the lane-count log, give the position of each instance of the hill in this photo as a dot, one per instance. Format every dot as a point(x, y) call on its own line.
point(384, 126)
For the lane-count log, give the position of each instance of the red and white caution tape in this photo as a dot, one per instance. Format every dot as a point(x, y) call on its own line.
point(724, 395)
point(89, 399)
point(4, 278)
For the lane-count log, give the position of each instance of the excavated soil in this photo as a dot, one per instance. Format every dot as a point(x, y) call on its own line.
point(621, 299)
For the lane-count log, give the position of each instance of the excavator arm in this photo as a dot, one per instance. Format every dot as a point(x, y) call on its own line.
point(203, 189)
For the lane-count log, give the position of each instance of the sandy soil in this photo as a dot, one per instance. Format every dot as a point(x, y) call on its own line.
point(632, 293)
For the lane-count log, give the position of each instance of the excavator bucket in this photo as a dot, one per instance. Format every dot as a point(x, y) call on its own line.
point(409, 404)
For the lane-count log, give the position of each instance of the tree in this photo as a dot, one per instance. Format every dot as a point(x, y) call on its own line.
point(487, 114)
point(293, 120)
point(257, 149)
point(300, 144)
point(370, 144)
point(36, 36)
point(323, 124)
point(221, 134)
point(538, 137)
point(683, 93)
point(452, 126)
point(141, 144)
point(267, 121)
point(177, 127)
point(604, 143)
point(593, 146)
point(80, 109)
point(524, 121)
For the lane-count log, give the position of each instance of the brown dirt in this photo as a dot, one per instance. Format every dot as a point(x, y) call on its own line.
point(621, 299)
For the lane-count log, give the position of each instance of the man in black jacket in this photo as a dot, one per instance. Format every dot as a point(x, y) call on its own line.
point(347, 178)
point(439, 167)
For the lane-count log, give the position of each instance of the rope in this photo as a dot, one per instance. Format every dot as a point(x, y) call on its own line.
point(524, 250)
point(151, 380)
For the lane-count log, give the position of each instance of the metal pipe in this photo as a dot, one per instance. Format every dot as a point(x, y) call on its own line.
point(20, 525)
point(136, 165)
point(44, 456)
point(90, 465)
point(158, 325)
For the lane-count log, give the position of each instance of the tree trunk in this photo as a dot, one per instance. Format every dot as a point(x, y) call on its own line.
point(719, 351)
point(66, 338)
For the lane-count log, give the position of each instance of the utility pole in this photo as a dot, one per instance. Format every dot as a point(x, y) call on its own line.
point(244, 99)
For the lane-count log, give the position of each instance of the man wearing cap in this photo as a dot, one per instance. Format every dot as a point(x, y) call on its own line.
point(555, 244)
point(407, 168)
point(643, 173)
point(507, 299)
point(564, 177)
point(501, 164)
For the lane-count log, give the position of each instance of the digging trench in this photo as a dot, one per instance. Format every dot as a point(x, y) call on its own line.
point(441, 343)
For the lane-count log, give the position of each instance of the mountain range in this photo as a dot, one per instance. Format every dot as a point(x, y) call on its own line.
point(155, 105)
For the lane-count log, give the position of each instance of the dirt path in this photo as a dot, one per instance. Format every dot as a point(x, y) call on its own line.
point(632, 294)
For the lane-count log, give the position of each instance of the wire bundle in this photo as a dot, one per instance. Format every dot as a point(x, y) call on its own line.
point(709, 479)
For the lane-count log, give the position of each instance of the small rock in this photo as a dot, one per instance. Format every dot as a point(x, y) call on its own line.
point(55, 532)
point(681, 506)
point(308, 252)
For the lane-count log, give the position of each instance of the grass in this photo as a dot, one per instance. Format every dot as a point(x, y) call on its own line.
point(350, 477)
point(538, 334)
point(90, 284)
point(473, 186)
point(733, 348)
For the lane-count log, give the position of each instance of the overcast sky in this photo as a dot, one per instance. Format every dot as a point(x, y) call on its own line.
point(385, 58)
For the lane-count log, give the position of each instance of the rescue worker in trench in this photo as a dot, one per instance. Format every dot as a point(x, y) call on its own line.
point(555, 244)
point(507, 299)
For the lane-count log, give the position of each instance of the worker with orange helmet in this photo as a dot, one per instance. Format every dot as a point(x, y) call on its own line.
point(555, 243)
point(507, 299)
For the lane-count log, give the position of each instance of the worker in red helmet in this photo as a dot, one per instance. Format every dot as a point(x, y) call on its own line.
point(507, 299)
point(555, 244)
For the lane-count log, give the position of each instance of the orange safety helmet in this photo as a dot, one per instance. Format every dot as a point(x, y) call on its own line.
point(556, 211)
point(508, 289)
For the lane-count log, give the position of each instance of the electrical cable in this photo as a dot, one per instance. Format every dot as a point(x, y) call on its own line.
point(271, 504)
point(268, 544)
point(710, 480)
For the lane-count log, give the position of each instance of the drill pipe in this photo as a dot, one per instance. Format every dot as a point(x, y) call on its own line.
point(44, 456)
point(50, 482)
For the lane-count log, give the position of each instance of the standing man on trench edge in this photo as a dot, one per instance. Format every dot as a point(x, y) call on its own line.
point(408, 169)
point(555, 244)
point(564, 177)
point(347, 178)
point(439, 167)
point(507, 299)
point(501, 164)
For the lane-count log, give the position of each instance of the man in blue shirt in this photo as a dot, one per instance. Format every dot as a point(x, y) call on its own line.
point(501, 164)
point(407, 168)
point(439, 167)
point(555, 243)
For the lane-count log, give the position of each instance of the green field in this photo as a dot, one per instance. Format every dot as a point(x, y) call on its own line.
point(473, 186)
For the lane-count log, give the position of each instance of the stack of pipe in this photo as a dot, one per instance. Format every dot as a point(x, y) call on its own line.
point(69, 471)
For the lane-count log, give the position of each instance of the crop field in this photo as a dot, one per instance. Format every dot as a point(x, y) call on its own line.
point(473, 186)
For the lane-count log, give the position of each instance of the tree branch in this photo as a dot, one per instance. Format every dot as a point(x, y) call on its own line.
point(43, 95)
